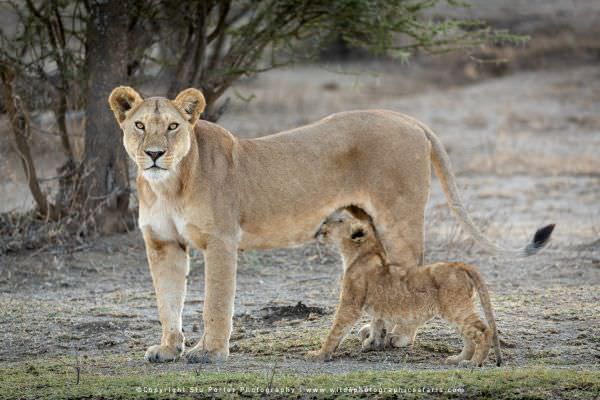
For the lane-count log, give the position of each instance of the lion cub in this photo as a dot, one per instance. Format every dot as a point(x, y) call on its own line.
point(391, 294)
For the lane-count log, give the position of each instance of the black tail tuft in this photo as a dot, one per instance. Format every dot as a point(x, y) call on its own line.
point(542, 236)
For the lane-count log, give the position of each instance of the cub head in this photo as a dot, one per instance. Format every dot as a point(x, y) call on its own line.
point(157, 132)
point(342, 228)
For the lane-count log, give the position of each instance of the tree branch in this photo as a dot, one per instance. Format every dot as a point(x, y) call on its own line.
point(20, 127)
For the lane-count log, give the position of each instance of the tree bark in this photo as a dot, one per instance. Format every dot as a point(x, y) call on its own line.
point(106, 182)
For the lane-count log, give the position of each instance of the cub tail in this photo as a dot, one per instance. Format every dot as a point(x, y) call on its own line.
point(484, 298)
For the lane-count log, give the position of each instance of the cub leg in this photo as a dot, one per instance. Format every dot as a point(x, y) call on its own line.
point(375, 336)
point(344, 318)
point(169, 267)
point(477, 337)
point(402, 335)
point(220, 268)
point(465, 354)
point(481, 334)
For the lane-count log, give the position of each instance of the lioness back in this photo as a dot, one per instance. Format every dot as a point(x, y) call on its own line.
point(304, 166)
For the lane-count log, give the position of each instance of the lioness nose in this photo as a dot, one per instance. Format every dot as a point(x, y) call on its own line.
point(154, 155)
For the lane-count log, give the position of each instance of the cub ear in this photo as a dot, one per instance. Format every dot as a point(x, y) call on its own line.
point(121, 100)
point(358, 232)
point(191, 102)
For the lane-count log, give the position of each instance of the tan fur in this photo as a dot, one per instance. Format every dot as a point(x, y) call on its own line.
point(395, 295)
point(222, 194)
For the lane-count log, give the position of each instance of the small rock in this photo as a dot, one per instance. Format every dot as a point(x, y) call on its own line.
point(195, 328)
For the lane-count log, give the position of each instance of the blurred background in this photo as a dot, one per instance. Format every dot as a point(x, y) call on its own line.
point(508, 85)
point(511, 87)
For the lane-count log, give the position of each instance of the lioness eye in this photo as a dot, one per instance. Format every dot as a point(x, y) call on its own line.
point(139, 125)
point(173, 126)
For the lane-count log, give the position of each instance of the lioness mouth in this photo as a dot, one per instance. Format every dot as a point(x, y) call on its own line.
point(155, 167)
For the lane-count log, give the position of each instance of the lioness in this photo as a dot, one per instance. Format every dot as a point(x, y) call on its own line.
point(199, 185)
point(394, 294)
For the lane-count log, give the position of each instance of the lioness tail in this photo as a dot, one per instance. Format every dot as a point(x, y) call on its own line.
point(441, 165)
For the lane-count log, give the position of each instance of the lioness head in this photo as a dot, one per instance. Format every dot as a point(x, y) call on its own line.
point(156, 131)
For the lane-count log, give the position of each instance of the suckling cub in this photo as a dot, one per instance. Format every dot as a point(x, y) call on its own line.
point(391, 294)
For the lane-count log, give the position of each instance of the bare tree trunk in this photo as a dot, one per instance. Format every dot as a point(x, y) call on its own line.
point(20, 125)
point(107, 180)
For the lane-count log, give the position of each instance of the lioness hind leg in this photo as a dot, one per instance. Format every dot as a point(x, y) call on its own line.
point(399, 223)
point(399, 215)
point(169, 268)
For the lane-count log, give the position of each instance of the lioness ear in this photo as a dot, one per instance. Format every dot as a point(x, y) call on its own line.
point(122, 99)
point(191, 102)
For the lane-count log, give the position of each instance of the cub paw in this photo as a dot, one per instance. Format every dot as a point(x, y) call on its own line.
point(364, 332)
point(372, 344)
point(454, 360)
point(198, 354)
point(318, 355)
point(468, 364)
point(161, 353)
point(399, 341)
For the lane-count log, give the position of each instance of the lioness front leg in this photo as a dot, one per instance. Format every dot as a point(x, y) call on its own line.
point(169, 267)
point(345, 316)
point(220, 262)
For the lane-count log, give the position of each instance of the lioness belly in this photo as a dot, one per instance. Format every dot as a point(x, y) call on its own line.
point(288, 230)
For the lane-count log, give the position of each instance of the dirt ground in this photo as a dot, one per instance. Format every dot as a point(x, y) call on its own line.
point(524, 146)
point(525, 151)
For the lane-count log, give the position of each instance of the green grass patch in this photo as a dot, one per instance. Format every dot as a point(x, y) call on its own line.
point(286, 341)
point(435, 347)
point(125, 378)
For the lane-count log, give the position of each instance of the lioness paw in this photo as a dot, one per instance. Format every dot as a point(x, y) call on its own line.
point(160, 353)
point(318, 355)
point(198, 354)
